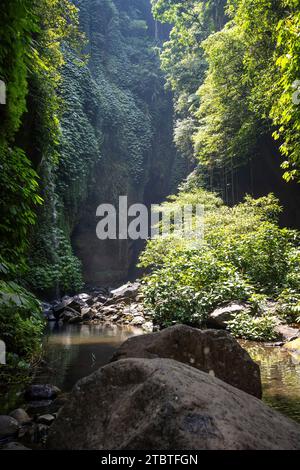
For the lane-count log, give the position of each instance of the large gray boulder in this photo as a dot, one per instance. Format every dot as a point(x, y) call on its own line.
point(213, 351)
point(162, 404)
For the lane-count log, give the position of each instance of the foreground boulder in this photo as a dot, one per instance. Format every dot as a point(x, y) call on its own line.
point(161, 404)
point(213, 351)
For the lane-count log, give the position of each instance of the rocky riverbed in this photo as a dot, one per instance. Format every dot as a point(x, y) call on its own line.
point(122, 306)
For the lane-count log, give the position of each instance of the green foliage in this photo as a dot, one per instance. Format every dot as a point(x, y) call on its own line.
point(19, 194)
point(263, 256)
point(18, 23)
point(227, 130)
point(190, 285)
point(234, 67)
point(21, 324)
point(53, 268)
point(289, 305)
point(253, 328)
point(30, 64)
point(271, 37)
point(244, 256)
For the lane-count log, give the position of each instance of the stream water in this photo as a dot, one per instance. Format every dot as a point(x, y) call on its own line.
point(75, 351)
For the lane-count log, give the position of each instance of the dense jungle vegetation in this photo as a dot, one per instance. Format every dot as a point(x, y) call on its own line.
point(89, 111)
point(233, 67)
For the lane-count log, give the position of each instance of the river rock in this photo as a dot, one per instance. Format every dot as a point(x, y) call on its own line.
point(101, 299)
point(212, 351)
point(287, 333)
point(46, 419)
point(129, 290)
point(20, 415)
point(76, 305)
point(220, 316)
point(42, 392)
point(162, 404)
point(8, 426)
point(83, 298)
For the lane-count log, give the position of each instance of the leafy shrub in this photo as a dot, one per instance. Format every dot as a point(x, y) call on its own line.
point(258, 304)
point(289, 306)
point(21, 323)
point(244, 256)
point(191, 284)
point(246, 326)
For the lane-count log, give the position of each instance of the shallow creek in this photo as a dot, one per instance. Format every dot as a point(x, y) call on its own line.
point(75, 351)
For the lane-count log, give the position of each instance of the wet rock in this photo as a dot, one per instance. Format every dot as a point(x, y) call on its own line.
point(47, 419)
point(220, 316)
point(20, 415)
point(162, 404)
point(42, 391)
point(9, 427)
point(212, 351)
point(287, 333)
point(14, 446)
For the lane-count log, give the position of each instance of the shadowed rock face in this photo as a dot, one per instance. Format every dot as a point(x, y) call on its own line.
point(212, 351)
point(162, 404)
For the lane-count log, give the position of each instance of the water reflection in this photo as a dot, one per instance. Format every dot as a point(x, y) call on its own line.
point(75, 351)
point(280, 373)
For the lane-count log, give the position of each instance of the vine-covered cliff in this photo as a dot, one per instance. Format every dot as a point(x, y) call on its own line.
point(116, 139)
